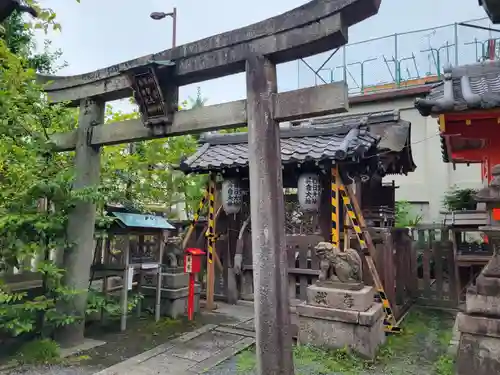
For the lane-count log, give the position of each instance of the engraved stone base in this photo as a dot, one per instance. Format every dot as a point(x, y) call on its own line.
point(173, 301)
point(356, 300)
point(362, 332)
point(482, 304)
point(174, 279)
point(479, 348)
point(478, 355)
point(340, 285)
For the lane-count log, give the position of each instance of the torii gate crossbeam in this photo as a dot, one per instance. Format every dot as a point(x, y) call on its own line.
point(315, 27)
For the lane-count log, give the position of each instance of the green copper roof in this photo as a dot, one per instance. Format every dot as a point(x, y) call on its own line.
point(142, 221)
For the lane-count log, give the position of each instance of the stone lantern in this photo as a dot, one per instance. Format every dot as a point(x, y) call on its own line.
point(479, 324)
point(491, 197)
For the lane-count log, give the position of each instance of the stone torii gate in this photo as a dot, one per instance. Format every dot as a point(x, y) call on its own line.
point(315, 27)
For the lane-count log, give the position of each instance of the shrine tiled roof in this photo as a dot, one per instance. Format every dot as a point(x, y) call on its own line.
point(475, 86)
point(341, 138)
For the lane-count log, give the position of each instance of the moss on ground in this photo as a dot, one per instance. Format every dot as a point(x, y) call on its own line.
point(420, 349)
point(40, 351)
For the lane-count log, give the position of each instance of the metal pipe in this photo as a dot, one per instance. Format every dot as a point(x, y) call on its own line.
point(416, 31)
point(344, 63)
point(174, 27)
point(396, 62)
point(478, 27)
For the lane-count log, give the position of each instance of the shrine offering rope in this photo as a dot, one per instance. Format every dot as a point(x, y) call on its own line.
point(211, 219)
point(335, 207)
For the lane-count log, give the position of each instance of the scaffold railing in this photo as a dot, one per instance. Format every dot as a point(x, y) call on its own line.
point(402, 59)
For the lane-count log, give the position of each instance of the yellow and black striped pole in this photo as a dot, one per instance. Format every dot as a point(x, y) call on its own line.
point(211, 219)
point(352, 216)
point(196, 217)
point(202, 203)
point(390, 323)
point(335, 203)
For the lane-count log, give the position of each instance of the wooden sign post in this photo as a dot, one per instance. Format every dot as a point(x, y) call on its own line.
point(315, 27)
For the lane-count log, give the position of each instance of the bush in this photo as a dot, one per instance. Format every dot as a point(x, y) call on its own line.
point(459, 199)
point(404, 218)
point(41, 351)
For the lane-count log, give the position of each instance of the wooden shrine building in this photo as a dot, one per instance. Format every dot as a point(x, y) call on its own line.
point(365, 147)
point(466, 105)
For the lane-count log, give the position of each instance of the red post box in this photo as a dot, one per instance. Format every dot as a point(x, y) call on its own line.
point(192, 266)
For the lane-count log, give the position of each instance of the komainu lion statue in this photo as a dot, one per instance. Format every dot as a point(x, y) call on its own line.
point(336, 265)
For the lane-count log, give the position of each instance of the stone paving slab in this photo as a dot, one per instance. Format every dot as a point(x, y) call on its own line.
point(195, 356)
point(248, 325)
point(122, 367)
point(222, 356)
point(204, 346)
point(197, 351)
point(161, 364)
point(236, 331)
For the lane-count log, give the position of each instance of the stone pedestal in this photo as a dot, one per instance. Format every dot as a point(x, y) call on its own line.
point(479, 349)
point(338, 318)
point(174, 293)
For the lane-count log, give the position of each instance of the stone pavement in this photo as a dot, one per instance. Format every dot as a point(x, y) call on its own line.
point(197, 351)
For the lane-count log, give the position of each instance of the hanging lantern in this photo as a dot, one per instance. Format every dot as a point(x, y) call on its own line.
point(231, 196)
point(309, 191)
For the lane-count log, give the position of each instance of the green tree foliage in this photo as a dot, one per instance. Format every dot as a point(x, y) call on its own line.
point(19, 38)
point(196, 102)
point(404, 217)
point(36, 193)
point(31, 174)
point(148, 171)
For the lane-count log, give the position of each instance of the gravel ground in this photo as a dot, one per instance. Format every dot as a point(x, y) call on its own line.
point(52, 370)
point(415, 352)
point(141, 335)
point(425, 339)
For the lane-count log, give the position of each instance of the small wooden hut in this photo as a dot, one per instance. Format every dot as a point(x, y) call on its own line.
point(366, 147)
point(132, 248)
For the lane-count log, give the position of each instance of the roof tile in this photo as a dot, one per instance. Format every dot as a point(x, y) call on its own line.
point(318, 140)
point(475, 86)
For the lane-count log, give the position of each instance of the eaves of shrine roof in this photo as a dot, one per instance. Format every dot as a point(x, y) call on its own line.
point(345, 138)
point(468, 87)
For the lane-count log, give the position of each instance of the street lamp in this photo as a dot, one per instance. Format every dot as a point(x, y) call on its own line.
point(161, 15)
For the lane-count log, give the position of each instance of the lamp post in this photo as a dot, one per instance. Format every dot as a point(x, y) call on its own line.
point(161, 15)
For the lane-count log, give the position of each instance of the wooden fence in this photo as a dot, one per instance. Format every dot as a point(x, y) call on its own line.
point(436, 268)
point(415, 266)
point(395, 261)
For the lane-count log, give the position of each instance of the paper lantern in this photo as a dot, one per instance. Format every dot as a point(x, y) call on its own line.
point(309, 191)
point(231, 196)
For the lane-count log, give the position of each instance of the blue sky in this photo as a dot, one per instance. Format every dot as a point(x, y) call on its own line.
point(99, 33)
